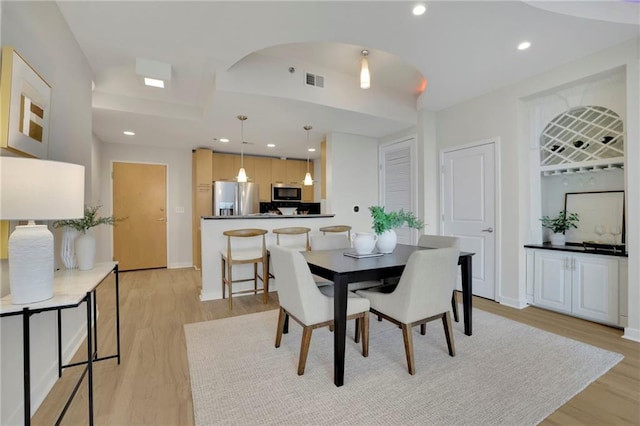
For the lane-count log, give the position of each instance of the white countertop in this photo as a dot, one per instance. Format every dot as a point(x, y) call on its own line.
point(70, 286)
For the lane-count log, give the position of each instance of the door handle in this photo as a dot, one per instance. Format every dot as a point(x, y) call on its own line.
point(161, 219)
point(489, 230)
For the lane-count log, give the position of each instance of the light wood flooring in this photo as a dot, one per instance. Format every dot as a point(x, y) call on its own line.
point(151, 385)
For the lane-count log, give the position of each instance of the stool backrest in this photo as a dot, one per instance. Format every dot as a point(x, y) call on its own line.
point(245, 233)
point(293, 230)
point(337, 228)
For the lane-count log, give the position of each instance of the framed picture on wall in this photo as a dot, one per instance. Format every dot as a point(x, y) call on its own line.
point(601, 217)
point(25, 105)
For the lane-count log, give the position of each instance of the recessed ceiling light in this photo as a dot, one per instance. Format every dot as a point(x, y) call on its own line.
point(419, 9)
point(524, 45)
point(271, 145)
point(224, 140)
point(153, 82)
point(129, 133)
point(311, 150)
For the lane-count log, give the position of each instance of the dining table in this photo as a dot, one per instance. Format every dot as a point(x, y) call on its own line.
point(334, 265)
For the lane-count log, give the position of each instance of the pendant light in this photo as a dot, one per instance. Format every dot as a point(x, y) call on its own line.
point(242, 175)
point(308, 181)
point(365, 77)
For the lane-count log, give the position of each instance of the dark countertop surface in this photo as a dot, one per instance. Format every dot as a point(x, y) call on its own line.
point(269, 216)
point(576, 249)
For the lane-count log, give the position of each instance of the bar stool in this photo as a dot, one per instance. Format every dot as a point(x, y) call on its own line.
point(293, 230)
point(337, 228)
point(239, 256)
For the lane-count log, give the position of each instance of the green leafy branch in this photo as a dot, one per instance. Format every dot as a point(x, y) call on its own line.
point(89, 220)
point(561, 223)
point(383, 221)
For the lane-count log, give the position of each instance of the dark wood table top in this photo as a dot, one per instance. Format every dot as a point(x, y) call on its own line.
point(337, 262)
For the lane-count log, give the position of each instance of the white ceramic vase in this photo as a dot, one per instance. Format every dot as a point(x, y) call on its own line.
point(558, 239)
point(68, 247)
point(86, 251)
point(387, 241)
point(364, 242)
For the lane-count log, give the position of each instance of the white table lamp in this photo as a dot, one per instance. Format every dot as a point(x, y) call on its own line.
point(32, 189)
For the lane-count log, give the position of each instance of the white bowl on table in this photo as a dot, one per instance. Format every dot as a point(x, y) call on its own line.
point(288, 211)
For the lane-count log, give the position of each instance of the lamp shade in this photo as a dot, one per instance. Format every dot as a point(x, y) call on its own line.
point(32, 189)
point(365, 76)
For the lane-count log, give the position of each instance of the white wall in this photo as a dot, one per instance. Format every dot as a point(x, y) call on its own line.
point(502, 114)
point(178, 162)
point(40, 34)
point(352, 179)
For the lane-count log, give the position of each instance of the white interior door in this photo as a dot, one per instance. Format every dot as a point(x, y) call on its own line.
point(397, 182)
point(468, 209)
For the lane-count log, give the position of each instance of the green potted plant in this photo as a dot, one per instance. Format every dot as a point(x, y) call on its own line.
point(384, 224)
point(559, 225)
point(79, 247)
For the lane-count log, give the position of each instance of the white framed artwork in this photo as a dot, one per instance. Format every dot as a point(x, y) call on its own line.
point(601, 217)
point(25, 107)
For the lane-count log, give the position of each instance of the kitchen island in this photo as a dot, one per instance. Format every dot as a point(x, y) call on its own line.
point(213, 241)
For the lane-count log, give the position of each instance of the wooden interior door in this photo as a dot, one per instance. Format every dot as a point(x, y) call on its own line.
point(140, 195)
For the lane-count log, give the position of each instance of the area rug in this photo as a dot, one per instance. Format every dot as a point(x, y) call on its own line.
point(507, 373)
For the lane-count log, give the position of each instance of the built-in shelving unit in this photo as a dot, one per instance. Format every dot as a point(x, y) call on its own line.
point(581, 140)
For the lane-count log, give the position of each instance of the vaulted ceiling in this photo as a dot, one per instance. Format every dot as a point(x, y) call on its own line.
point(250, 58)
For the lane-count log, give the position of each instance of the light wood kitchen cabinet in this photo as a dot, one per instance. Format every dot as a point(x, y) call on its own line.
point(201, 168)
point(584, 285)
point(278, 170)
point(223, 167)
point(263, 171)
point(262, 176)
point(295, 171)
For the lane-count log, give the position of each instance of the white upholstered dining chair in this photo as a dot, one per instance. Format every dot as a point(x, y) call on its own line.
point(422, 295)
point(442, 241)
point(301, 299)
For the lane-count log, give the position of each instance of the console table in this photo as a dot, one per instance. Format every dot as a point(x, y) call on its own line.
point(71, 288)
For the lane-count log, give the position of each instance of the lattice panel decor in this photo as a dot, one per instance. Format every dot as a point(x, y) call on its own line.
point(580, 135)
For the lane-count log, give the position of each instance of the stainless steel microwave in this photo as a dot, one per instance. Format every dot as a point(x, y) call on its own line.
point(286, 192)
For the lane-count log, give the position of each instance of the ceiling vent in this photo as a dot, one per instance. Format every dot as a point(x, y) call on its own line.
point(313, 80)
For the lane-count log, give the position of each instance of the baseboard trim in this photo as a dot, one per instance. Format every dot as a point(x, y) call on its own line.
point(180, 265)
point(513, 303)
point(631, 334)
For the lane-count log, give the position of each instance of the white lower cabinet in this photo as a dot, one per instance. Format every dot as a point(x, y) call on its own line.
point(584, 285)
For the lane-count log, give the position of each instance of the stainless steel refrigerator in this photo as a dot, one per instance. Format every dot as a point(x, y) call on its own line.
point(235, 198)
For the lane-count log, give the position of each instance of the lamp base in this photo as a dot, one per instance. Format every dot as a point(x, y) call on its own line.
point(31, 264)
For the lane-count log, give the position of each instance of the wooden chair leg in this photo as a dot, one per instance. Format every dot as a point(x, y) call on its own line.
point(408, 347)
point(265, 282)
point(356, 337)
point(304, 349)
point(448, 332)
point(365, 334)
point(230, 283)
point(222, 269)
point(454, 306)
point(281, 316)
point(423, 328)
point(255, 278)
